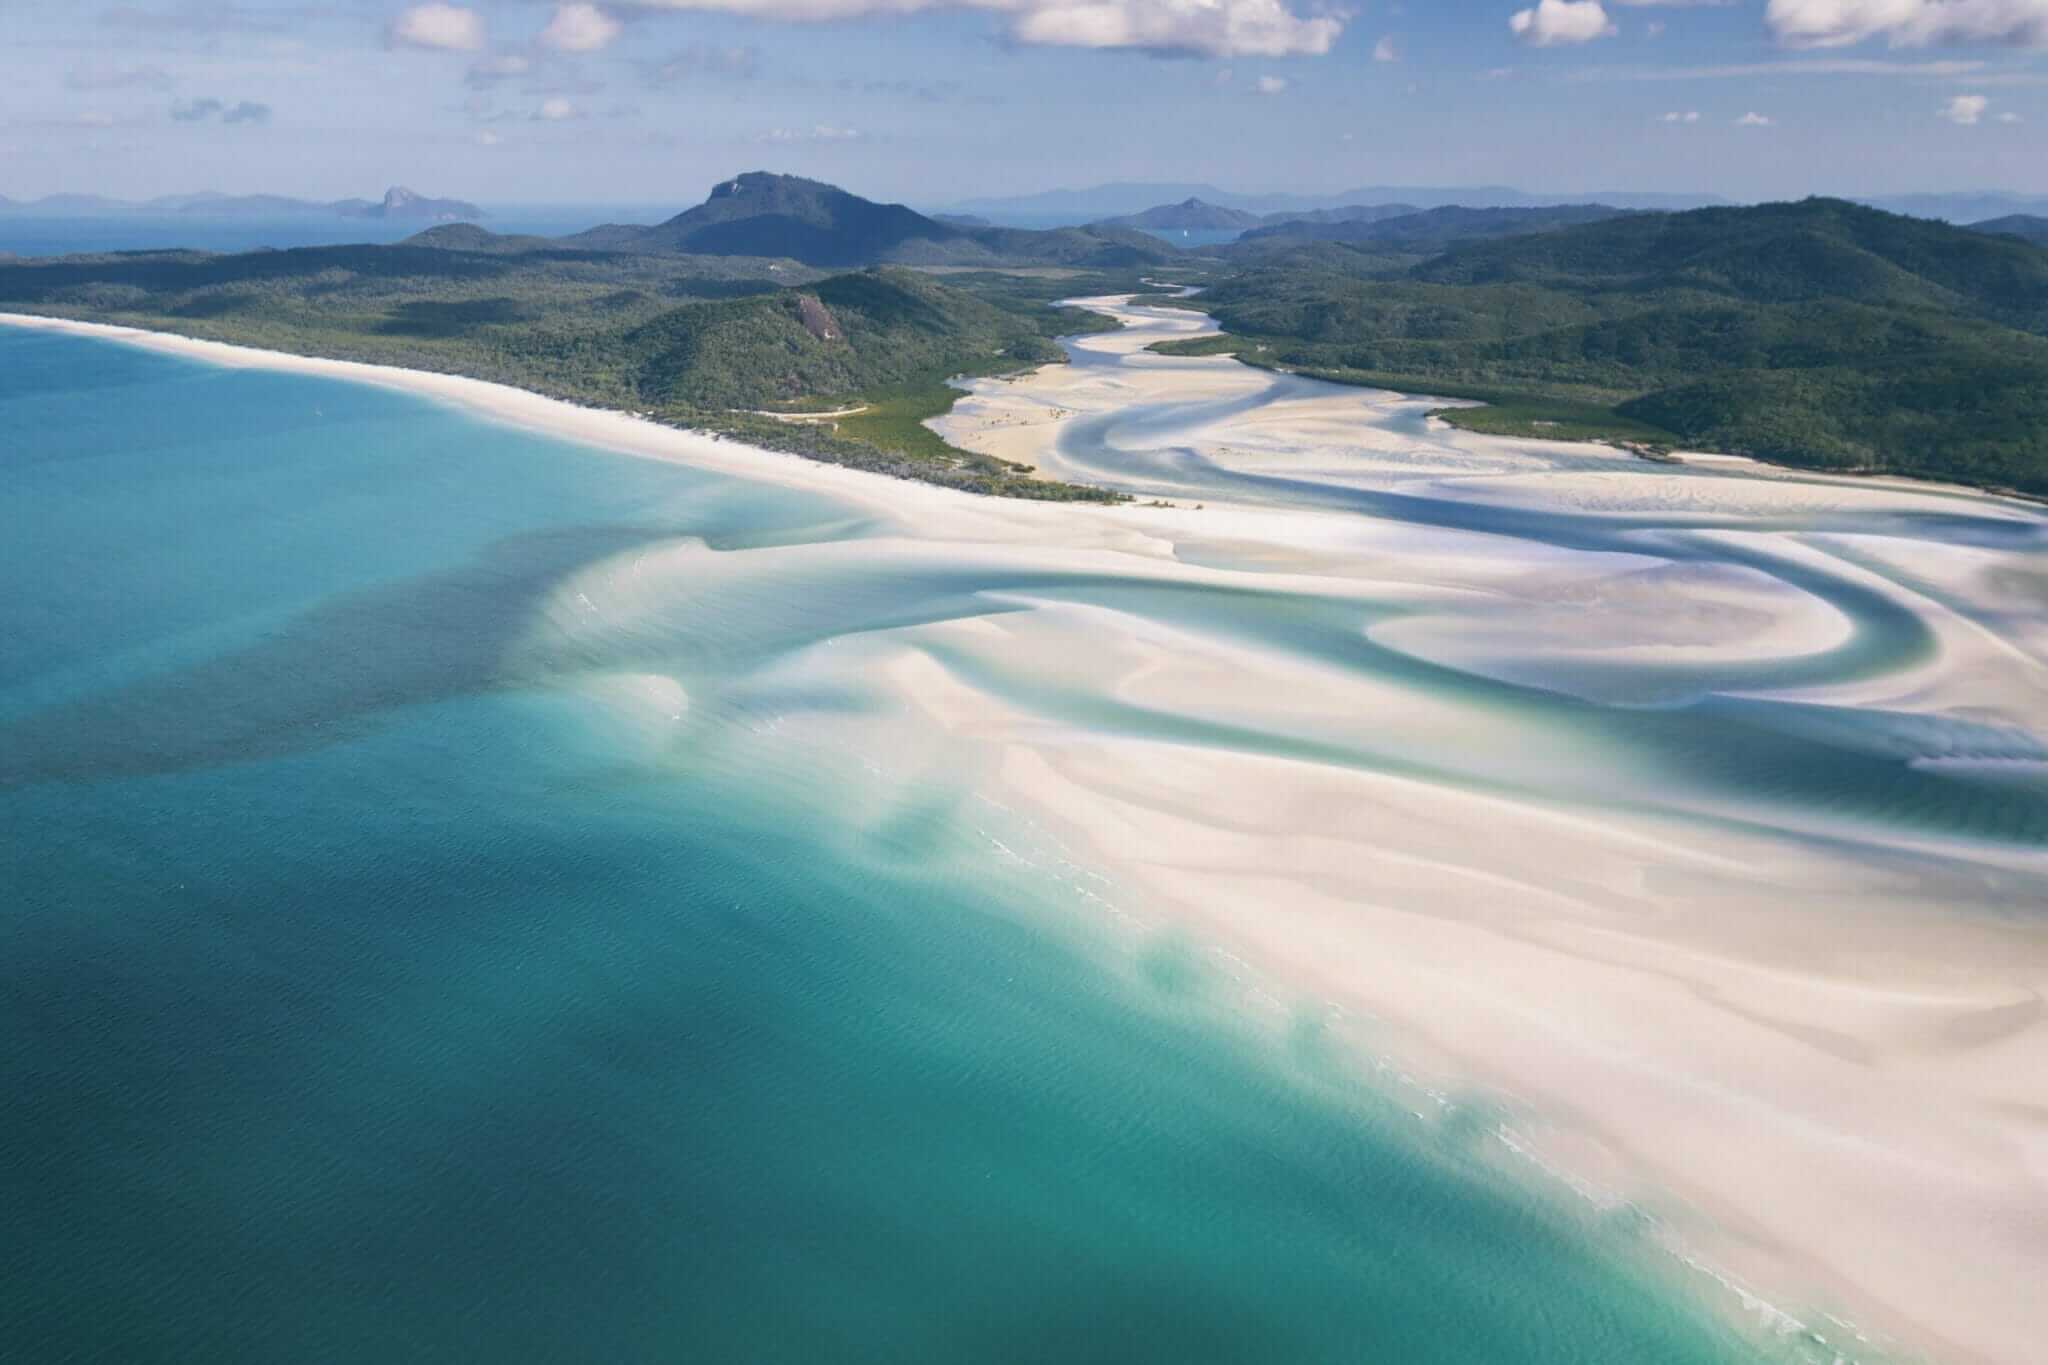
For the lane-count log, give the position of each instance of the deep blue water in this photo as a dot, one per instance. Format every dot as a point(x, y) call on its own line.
point(373, 990)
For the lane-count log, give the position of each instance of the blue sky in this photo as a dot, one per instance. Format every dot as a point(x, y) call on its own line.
point(930, 102)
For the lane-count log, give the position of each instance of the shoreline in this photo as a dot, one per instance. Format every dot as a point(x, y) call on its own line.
point(1667, 1032)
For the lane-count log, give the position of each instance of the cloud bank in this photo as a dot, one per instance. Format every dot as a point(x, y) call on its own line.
point(448, 28)
point(1908, 23)
point(1183, 28)
point(580, 28)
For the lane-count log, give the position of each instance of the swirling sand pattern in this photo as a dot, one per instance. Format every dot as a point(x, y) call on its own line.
point(1685, 824)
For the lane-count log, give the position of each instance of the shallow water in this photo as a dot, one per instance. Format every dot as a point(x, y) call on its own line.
point(1701, 726)
point(450, 918)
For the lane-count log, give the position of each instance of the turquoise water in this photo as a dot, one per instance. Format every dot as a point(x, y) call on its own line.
point(38, 234)
point(370, 992)
point(1714, 746)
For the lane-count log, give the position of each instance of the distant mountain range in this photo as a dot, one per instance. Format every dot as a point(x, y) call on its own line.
point(1408, 229)
point(1197, 215)
point(1959, 208)
point(397, 203)
point(761, 214)
point(2026, 227)
point(1425, 231)
point(1117, 200)
point(1122, 200)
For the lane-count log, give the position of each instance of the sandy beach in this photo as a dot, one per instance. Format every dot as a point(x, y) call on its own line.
point(1810, 1044)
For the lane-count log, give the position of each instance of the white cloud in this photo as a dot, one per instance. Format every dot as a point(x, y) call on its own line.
point(555, 109)
point(1271, 85)
point(1202, 28)
point(1908, 23)
point(2008, 118)
point(1553, 23)
point(1689, 116)
point(1383, 50)
point(1965, 110)
point(1752, 119)
point(450, 28)
point(487, 138)
point(580, 28)
point(817, 132)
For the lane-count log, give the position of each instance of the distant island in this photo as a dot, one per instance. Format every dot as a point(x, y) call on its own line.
point(1107, 202)
point(397, 203)
point(1120, 201)
point(1197, 215)
point(1419, 230)
point(1189, 215)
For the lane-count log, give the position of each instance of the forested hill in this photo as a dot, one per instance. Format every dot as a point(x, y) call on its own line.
point(1772, 254)
point(844, 338)
point(1819, 333)
point(2026, 226)
point(1425, 230)
point(764, 215)
point(1192, 215)
point(737, 344)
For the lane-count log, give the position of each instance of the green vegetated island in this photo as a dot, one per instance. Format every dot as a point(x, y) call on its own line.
point(1819, 334)
point(800, 317)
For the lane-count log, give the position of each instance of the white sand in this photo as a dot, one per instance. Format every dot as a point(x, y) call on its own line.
point(1823, 1062)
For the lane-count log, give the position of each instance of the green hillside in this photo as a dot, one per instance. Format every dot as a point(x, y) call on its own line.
point(1424, 231)
point(2025, 226)
point(708, 342)
point(1190, 214)
point(877, 331)
point(1820, 334)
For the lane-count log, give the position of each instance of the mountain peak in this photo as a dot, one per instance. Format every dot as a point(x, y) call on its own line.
point(761, 214)
point(401, 202)
point(749, 184)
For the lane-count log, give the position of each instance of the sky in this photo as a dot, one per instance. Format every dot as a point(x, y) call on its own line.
point(935, 101)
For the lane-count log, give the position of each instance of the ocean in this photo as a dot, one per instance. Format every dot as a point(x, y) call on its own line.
point(422, 945)
point(39, 234)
